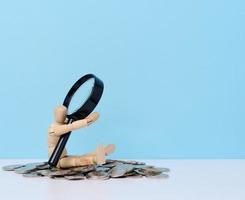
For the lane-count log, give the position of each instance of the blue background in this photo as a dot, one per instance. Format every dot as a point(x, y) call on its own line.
point(173, 73)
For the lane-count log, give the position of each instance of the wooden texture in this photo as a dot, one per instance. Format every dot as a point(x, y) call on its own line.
point(59, 127)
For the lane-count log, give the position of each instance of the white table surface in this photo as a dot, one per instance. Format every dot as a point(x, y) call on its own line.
point(189, 179)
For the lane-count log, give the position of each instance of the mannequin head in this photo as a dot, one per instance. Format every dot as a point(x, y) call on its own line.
point(60, 113)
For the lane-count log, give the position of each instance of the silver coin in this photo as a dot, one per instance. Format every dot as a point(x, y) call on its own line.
point(44, 172)
point(142, 166)
point(44, 166)
point(135, 176)
point(75, 177)
point(37, 164)
point(12, 167)
point(141, 172)
point(98, 175)
point(102, 168)
point(131, 173)
point(157, 169)
point(32, 175)
point(109, 165)
point(160, 176)
point(133, 162)
point(57, 177)
point(25, 169)
point(108, 161)
point(28, 167)
point(120, 169)
point(88, 169)
point(60, 172)
point(151, 171)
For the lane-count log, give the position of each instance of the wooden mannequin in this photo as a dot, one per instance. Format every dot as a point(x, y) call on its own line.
point(59, 127)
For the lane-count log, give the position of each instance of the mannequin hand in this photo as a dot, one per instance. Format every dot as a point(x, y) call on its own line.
point(92, 118)
point(87, 121)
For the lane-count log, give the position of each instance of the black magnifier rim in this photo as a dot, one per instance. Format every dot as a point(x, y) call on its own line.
point(80, 113)
point(91, 101)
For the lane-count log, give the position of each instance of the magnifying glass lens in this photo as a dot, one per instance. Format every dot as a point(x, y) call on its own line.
point(81, 96)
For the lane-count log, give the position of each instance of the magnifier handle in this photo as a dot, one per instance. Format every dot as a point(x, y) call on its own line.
point(55, 157)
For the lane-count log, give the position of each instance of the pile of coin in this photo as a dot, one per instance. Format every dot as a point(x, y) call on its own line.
point(111, 169)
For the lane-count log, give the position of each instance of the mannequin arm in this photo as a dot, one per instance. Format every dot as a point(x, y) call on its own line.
point(62, 129)
point(59, 130)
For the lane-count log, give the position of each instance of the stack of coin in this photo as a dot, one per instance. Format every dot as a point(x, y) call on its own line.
point(111, 169)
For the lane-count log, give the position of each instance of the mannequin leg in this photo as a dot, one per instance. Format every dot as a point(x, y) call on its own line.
point(76, 161)
point(96, 157)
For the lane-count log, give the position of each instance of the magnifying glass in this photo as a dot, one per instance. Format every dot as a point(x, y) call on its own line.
point(85, 94)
